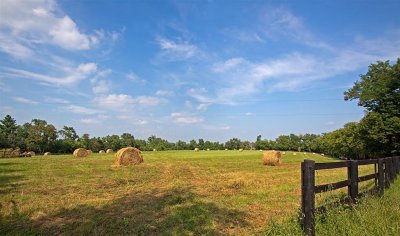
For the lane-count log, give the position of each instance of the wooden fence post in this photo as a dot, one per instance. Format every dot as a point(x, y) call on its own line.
point(397, 165)
point(391, 169)
point(381, 177)
point(387, 172)
point(308, 196)
point(352, 173)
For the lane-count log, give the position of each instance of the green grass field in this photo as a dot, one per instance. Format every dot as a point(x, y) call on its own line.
point(171, 193)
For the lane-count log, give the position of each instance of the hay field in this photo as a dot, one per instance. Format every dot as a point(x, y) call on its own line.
point(171, 193)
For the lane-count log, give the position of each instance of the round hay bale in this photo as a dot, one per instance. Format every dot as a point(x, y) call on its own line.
point(89, 152)
point(272, 158)
point(31, 153)
point(196, 149)
point(283, 153)
point(26, 154)
point(294, 154)
point(102, 152)
point(80, 152)
point(109, 151)
point(46, 154)
point(240, 150)
point(154, 150)
point(128, 156)
point(208, 149)
point(226, 149)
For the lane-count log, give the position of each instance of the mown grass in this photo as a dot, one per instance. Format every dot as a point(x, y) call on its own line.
point(171, 193)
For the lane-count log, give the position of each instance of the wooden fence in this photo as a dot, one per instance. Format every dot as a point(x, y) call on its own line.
point(386, 170)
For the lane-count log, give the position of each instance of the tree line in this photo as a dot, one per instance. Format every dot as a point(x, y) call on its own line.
point(377, 134)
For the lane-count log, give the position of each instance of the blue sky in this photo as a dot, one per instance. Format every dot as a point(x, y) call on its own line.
point(190, 69)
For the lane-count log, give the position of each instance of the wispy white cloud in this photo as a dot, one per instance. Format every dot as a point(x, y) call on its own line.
point(216, 127)
point(164, 93)
point(89, 121)
point(82, 110)
point(124, 101)
point(202, 106)
point(56, 100)
point(11, 47)
point(135, 78)
point(94, 120)
point(133, 119)
point(176, 50)
point(115, 101)
point(101, 86)
point(228, 64)
point(149, 100)
point(282, 23)
point(185, 118)
point(70, 75)
point(25, 100)
point(241, 78)
point(244, 35)
point(249, 114)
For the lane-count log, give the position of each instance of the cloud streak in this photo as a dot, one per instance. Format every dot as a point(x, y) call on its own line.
point(176, 50)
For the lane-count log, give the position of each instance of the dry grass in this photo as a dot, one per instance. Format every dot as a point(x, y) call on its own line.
point(172, 193)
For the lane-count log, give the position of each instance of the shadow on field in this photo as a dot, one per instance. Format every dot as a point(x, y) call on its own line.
point(9, 182)
point(173, 212)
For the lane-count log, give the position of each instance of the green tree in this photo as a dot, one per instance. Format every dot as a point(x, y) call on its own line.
point(379, 89)
point(8, 132)
point(233, 143)
point(85, 141)
point(41, 136)
point(379, 92)
point(112, 142)
point(69, 140)
point(127, 140)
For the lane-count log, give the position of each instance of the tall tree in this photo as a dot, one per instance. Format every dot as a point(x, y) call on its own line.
point(379, 89)
point(40, 135)
point(379, 92)
point(8, 132)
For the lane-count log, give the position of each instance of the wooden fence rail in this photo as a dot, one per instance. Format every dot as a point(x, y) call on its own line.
point(386, 170)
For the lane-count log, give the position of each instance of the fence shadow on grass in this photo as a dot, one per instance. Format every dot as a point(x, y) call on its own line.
point(9, 180)
point(172, 212)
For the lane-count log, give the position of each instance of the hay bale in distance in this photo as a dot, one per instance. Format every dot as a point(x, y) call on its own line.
point(154, 150)
point(226, 149)
point(47, 154)
point(128, 156)
point(196, 149)
point(26, 154)
point(80, 152)
point(240, 150)
point(31, 153)
point(109, 151)
point(272, 158)
point(294, 154)
point(89, 152)
point(102, 152)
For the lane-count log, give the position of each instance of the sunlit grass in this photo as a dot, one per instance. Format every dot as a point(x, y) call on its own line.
point(172, 192)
